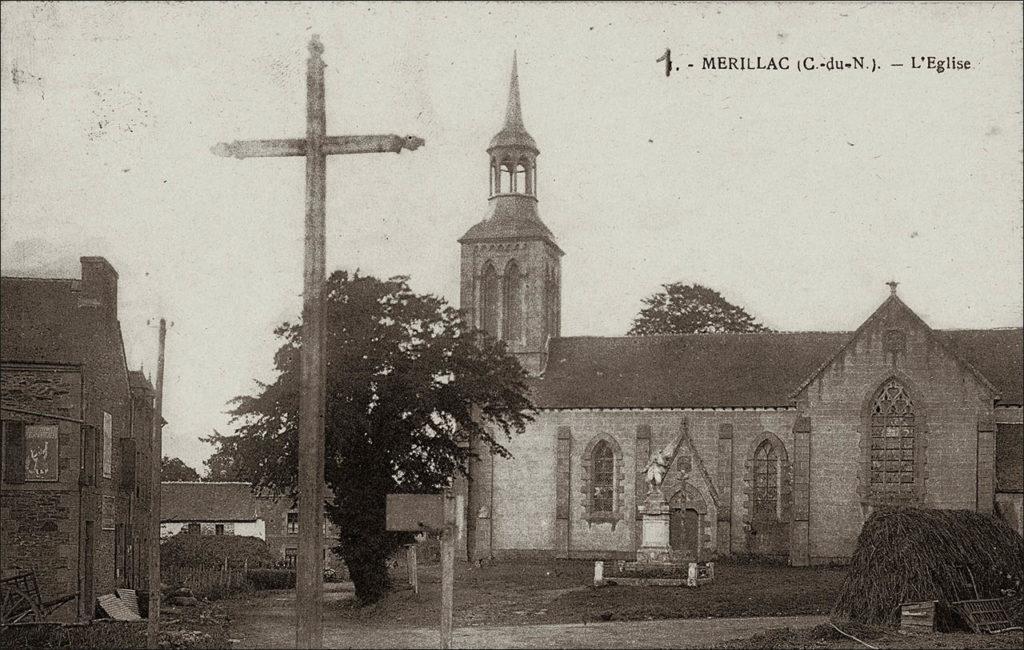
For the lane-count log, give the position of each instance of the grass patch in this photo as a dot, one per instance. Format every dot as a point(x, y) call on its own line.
point(511, 593)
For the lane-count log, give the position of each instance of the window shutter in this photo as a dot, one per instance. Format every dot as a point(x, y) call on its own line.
point(88, 476)
point(14, 451)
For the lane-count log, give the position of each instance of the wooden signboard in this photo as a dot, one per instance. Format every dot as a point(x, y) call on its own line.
point(41, 453)
point(415, 513)
point(434, 513)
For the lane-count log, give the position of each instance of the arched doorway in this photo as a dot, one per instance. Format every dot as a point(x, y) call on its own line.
point(684, 530)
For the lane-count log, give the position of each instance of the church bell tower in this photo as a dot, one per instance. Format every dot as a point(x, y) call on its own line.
point(511, 266)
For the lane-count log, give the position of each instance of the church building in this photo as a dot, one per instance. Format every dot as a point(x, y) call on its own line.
point(788, 440)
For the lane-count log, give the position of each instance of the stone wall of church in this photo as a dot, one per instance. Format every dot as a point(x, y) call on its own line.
point(954, 452)
point(541, 497)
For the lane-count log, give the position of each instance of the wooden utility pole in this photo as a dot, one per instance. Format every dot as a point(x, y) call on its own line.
point(315, 147)
point(156, 455)
point(447, 569)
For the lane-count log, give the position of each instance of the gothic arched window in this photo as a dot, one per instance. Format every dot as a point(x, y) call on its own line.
point(551, 302)
point(490, 301)
point(513, 299)
point(602, 493)
point(892, 443)
point(766, 480)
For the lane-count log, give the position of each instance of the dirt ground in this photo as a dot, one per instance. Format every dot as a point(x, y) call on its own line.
point(824, 636)
point(553, 604)
point(510, 593)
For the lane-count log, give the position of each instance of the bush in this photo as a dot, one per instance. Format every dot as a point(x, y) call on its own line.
point(192, 550)
point(272, 578)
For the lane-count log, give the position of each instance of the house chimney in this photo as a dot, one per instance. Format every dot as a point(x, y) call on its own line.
point(99, 286)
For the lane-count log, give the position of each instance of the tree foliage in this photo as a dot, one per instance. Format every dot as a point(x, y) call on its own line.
point(175, 469)
point(225, 463)
point(408, 383)
point(691, 309)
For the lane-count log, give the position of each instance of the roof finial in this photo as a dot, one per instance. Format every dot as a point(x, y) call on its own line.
point(892, 286)
point(514, 112)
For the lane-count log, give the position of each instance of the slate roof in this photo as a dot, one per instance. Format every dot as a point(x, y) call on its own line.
point(731, 370)
point(185, 501)
point(998, 354)
point(512, 216)
point(513, 133)
point(138, 380)
point(681, 371)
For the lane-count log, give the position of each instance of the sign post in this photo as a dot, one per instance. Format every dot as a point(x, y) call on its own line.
point(434, 513)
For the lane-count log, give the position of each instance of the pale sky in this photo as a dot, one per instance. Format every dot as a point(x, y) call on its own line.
point(795, 194)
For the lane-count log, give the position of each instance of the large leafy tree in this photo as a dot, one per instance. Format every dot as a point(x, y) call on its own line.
point(408, 381)
point(175, 469)
point(225, 464)
point(691, 309)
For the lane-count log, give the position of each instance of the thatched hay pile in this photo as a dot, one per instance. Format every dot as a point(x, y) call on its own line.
point(910, 555)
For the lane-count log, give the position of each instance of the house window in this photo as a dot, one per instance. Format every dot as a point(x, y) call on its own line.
point(194, 528)
point(218, 529)
point(766, 480)
point(292, 524)
point(602, 497)
point(290, 554)
point(892, 444)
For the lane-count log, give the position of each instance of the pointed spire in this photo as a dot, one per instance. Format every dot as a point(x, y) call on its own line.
point(892, 286)
point(513, 133)
point(514, 111)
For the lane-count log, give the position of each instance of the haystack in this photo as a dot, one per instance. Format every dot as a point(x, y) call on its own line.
point(909, 555)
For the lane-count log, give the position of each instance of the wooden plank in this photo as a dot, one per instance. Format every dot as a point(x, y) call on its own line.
point(415, 512)
point(918, 617)
point(116, 609)
point(130, 600)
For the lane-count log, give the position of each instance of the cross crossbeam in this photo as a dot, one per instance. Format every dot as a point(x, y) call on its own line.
point(332, 145)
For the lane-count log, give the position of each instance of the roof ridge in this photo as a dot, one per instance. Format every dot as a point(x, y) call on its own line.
point(29, 277)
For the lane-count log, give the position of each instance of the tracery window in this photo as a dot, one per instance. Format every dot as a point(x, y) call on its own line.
point(602, 497)
point(513, 303)
point(892, 443)
point(766, 480)
point(490, 301)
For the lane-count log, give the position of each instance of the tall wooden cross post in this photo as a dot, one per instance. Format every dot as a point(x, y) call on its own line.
point(315, 147)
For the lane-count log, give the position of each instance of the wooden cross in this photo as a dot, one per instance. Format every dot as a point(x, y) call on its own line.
point(315, 147)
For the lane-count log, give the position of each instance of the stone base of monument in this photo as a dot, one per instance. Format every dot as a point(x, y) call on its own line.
point(646, 574)
point(657, 564)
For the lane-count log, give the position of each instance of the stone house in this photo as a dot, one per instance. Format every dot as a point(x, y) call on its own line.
point(213, 508)
point(232, 508)
point(75, 438)
point(789, 439)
